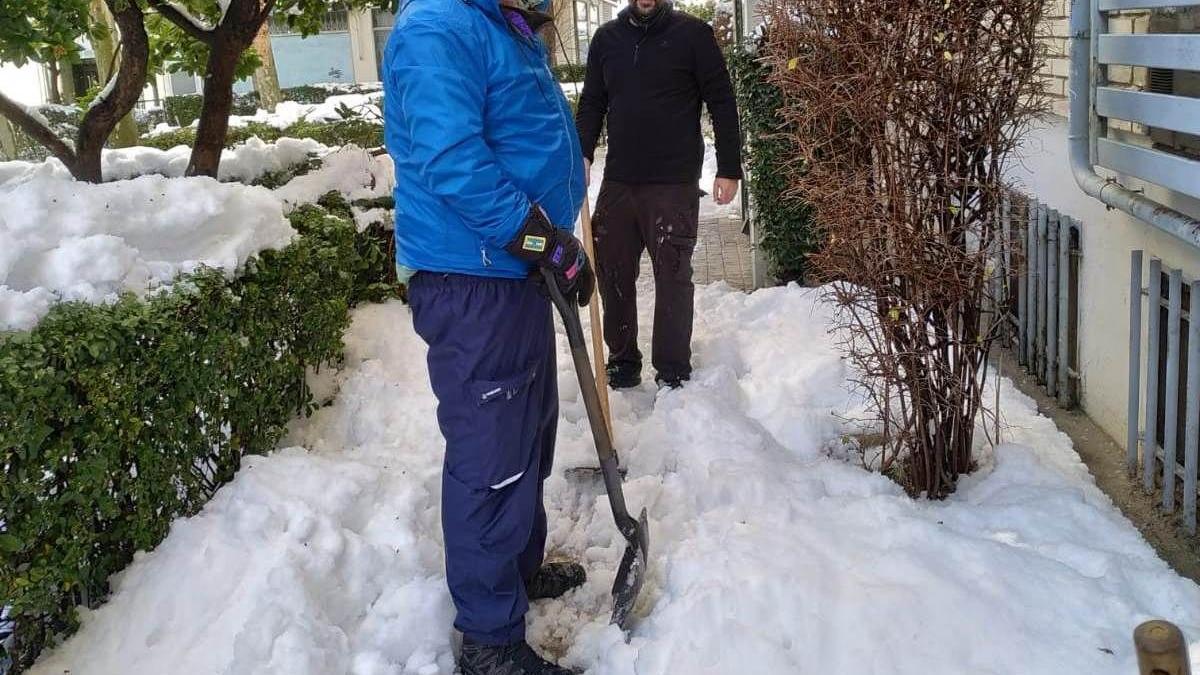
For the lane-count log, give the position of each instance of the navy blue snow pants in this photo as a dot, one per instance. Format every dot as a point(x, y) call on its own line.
point(492, 367)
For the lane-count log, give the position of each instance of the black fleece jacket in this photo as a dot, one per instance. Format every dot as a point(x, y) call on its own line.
point(649, 81)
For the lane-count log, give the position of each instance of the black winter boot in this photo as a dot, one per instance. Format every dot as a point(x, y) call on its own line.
point(518, 659)
point(553, 579)
point(669, 381)
point(624, 375)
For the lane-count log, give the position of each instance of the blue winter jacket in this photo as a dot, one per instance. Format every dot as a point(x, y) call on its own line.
point(479, 130)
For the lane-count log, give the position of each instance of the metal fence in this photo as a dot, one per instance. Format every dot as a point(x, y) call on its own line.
point(1038, 292)
point(1163, 450)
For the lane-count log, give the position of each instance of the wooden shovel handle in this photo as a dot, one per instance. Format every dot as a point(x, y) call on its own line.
point(598, 357)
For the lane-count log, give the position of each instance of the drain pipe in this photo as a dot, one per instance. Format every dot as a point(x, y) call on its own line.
point(1108, 190)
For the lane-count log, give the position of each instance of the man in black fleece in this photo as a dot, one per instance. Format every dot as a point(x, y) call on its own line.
point(648, 71)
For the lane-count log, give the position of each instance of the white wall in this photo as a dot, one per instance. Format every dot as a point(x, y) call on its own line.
point(24, 84)
point(1108, 237)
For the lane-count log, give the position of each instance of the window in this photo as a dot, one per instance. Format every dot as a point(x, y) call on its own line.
point(85, 75)
point(381, 22)
point(588, 17)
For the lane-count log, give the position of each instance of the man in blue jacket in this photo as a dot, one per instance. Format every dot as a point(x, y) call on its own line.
point(489, 179)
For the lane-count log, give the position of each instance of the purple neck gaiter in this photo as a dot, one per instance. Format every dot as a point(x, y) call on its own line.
point(514, 17)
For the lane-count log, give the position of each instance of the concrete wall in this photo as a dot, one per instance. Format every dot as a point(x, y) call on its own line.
point(325, 57)
point(1108, 236)
point(1043, 171)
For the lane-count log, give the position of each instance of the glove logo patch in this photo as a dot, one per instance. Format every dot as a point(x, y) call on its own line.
point(534, 244)
point(557, 257)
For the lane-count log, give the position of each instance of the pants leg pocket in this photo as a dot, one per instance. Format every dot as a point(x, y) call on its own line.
point(675, 258)
point(496, 456)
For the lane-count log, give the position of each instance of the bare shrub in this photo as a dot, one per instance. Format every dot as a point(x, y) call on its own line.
point(905, 112)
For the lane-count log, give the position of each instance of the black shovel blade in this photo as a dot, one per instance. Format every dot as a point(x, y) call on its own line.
point(631, 574)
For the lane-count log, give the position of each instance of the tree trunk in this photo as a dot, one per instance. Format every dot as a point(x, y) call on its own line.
point(118, 100)
point(219, 77)
point(236, 33)
point(8, 140)
point(266, 77)
point(126, 134)
point(67, 82)
point(54, 72)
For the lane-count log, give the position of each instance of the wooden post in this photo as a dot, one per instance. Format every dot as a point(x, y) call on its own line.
point(1161, 649)
point(598, 359)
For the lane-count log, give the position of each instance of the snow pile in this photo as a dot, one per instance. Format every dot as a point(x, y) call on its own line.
point(333, 109)
point(244, 163)
point(65, 240)
point(767, 555)
point(352, 171)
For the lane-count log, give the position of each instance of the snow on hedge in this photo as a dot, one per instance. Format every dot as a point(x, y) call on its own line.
point(287, 113)
point(767, 554)
point(245, 163)
point(350, 170)
point(66, 240)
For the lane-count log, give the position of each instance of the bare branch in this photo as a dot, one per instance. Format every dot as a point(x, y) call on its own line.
point(36, 129)
point(268, 6)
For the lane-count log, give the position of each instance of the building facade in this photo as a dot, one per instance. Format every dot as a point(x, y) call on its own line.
point(349, 49)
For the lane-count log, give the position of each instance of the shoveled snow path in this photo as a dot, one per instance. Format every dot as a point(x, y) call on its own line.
point(768, 556)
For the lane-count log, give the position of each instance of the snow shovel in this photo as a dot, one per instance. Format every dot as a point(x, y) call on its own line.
point(632, 572)
point(593, 472)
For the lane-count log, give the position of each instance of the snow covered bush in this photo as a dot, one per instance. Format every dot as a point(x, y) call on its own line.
point(117, 418)
point(904, 114)
point(363, 133)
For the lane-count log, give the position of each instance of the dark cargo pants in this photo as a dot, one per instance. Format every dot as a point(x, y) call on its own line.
point(492, 367)
point(661, 219)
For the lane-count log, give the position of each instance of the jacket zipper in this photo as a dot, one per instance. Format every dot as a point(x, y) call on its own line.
point(637, 47)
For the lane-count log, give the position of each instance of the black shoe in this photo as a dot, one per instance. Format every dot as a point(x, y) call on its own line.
point(671, 381)
point(518, 659)
point(623, 375)
point(553, 579)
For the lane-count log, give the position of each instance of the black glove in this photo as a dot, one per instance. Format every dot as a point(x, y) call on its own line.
point(559, 251)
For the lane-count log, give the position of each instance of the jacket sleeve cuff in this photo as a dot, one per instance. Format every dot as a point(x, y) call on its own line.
point(514, 227)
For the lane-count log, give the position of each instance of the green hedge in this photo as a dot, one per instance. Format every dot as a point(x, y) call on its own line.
point(363, 133)
point(184, 109)
point(570, 72)
point(785, 225)
point(117, 419)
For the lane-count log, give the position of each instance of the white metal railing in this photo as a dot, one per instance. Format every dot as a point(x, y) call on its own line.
point(1093, 102)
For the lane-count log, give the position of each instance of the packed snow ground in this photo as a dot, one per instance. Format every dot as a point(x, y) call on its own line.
point(768, 555)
